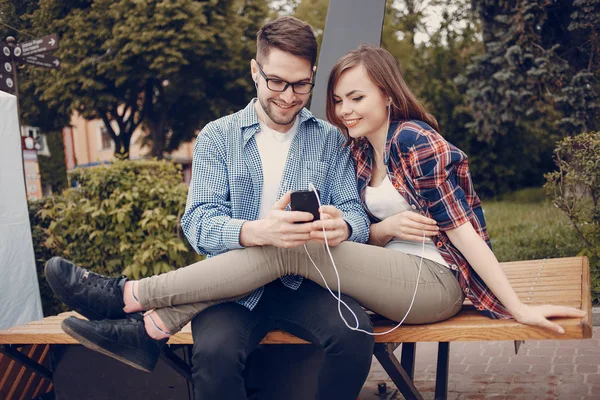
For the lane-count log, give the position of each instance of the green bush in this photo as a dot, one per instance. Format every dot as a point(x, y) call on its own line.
point(575, 189)
point(39, 228)
point(122, 218)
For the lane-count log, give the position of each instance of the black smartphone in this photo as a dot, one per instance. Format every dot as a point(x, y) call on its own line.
point(305, 200)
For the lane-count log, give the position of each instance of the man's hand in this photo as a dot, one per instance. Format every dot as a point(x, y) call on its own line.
point(278, 228)
point(408, 225)
point(336, 229)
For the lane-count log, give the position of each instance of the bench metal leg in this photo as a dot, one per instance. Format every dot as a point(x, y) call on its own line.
point(177, 363)
point(396, 372)
point(11, 351)
point(407, 359)
point(441, 375)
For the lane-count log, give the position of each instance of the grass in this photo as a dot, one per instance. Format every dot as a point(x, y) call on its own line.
point(525, 226)
point(529, 230)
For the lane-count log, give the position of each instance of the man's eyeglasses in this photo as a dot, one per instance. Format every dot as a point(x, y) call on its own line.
point(278, 85)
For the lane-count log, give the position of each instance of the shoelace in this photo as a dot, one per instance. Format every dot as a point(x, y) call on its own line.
point(100, 281)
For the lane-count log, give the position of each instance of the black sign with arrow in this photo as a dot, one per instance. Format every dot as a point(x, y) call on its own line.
point(31, 52)
point(36, 46)
point(43, 60)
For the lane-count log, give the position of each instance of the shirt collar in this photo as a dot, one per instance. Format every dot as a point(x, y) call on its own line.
point(363, 146)
point(250, 119)
point(388, 141)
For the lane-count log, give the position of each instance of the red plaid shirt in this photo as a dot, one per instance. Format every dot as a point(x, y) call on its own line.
point(433, 176)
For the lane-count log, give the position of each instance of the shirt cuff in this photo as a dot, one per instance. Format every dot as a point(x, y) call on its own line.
point(359, 231)
point(231, 234)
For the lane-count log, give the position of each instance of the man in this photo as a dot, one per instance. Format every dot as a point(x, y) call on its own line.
point(244, 167)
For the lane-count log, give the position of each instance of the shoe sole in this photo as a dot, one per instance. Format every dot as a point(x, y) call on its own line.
point(62, 294)
point(94, 346)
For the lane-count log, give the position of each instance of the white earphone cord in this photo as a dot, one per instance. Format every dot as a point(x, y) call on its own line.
point(339, 295)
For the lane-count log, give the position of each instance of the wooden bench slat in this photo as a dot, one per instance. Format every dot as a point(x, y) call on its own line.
point(562, 281)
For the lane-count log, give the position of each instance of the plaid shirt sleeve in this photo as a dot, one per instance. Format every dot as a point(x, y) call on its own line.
point(433, 163)
point(207, 221)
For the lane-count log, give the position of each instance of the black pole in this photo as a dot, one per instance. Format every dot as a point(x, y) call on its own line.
point(12, 43)
point(349, 23)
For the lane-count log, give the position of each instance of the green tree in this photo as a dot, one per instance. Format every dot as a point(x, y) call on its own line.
point(313, 12)
point(536, 81)
point(168, 67)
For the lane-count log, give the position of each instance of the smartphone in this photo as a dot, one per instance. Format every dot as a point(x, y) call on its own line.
point(305, 200)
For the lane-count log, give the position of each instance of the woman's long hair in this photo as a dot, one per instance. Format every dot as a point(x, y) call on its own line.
point(384, 71)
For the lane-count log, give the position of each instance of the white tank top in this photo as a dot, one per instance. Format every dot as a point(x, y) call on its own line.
point(384, 201)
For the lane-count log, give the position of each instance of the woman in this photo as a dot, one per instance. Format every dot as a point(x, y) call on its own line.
point(402, 164)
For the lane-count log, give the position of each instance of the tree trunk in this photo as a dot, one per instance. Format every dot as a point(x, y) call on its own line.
point(156, 118)
point(158, 135)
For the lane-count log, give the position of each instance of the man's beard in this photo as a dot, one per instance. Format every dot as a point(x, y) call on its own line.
point(279, 120)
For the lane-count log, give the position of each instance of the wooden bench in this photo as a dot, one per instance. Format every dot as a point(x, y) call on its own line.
point(564, 281)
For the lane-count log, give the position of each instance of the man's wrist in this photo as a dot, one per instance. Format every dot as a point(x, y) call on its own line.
point(250, 235)
point(348, 230)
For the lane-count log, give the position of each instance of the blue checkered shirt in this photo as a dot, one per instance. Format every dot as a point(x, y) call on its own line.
point(227, 180)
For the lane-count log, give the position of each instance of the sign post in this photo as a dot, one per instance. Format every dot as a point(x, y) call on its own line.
point(33, 52)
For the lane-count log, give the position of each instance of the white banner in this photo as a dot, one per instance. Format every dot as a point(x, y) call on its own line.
point(19, 291)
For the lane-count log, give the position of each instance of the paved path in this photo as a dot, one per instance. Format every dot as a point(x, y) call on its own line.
point(546, 369)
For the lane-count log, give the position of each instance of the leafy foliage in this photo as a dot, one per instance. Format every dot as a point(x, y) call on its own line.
point(575, 188)
point(168, 67)
point(121, 219)
point(51, 305)
point(535, 83)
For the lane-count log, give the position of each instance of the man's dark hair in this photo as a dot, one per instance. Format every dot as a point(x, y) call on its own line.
point(287, 34)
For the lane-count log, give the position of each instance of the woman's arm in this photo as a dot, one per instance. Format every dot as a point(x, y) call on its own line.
point(484, 262)
point(406, 225)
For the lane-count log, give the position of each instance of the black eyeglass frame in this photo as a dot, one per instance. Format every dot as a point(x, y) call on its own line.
point(287, 84)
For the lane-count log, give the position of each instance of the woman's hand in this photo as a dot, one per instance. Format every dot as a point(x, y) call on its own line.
point(538, 315)
point(409, 225)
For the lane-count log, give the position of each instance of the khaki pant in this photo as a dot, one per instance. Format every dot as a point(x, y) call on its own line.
point(380, 279)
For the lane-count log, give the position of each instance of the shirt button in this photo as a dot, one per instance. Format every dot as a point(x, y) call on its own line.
point(480, 308)
point(414, 207)
point(439, 244)
point(453, 266)
point(466, 290)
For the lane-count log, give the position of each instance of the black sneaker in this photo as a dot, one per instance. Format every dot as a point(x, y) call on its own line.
point(92, 295)
point(125, 340)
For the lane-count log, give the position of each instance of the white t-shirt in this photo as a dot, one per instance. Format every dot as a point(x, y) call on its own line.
point(384, 201)
point(273, 148)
